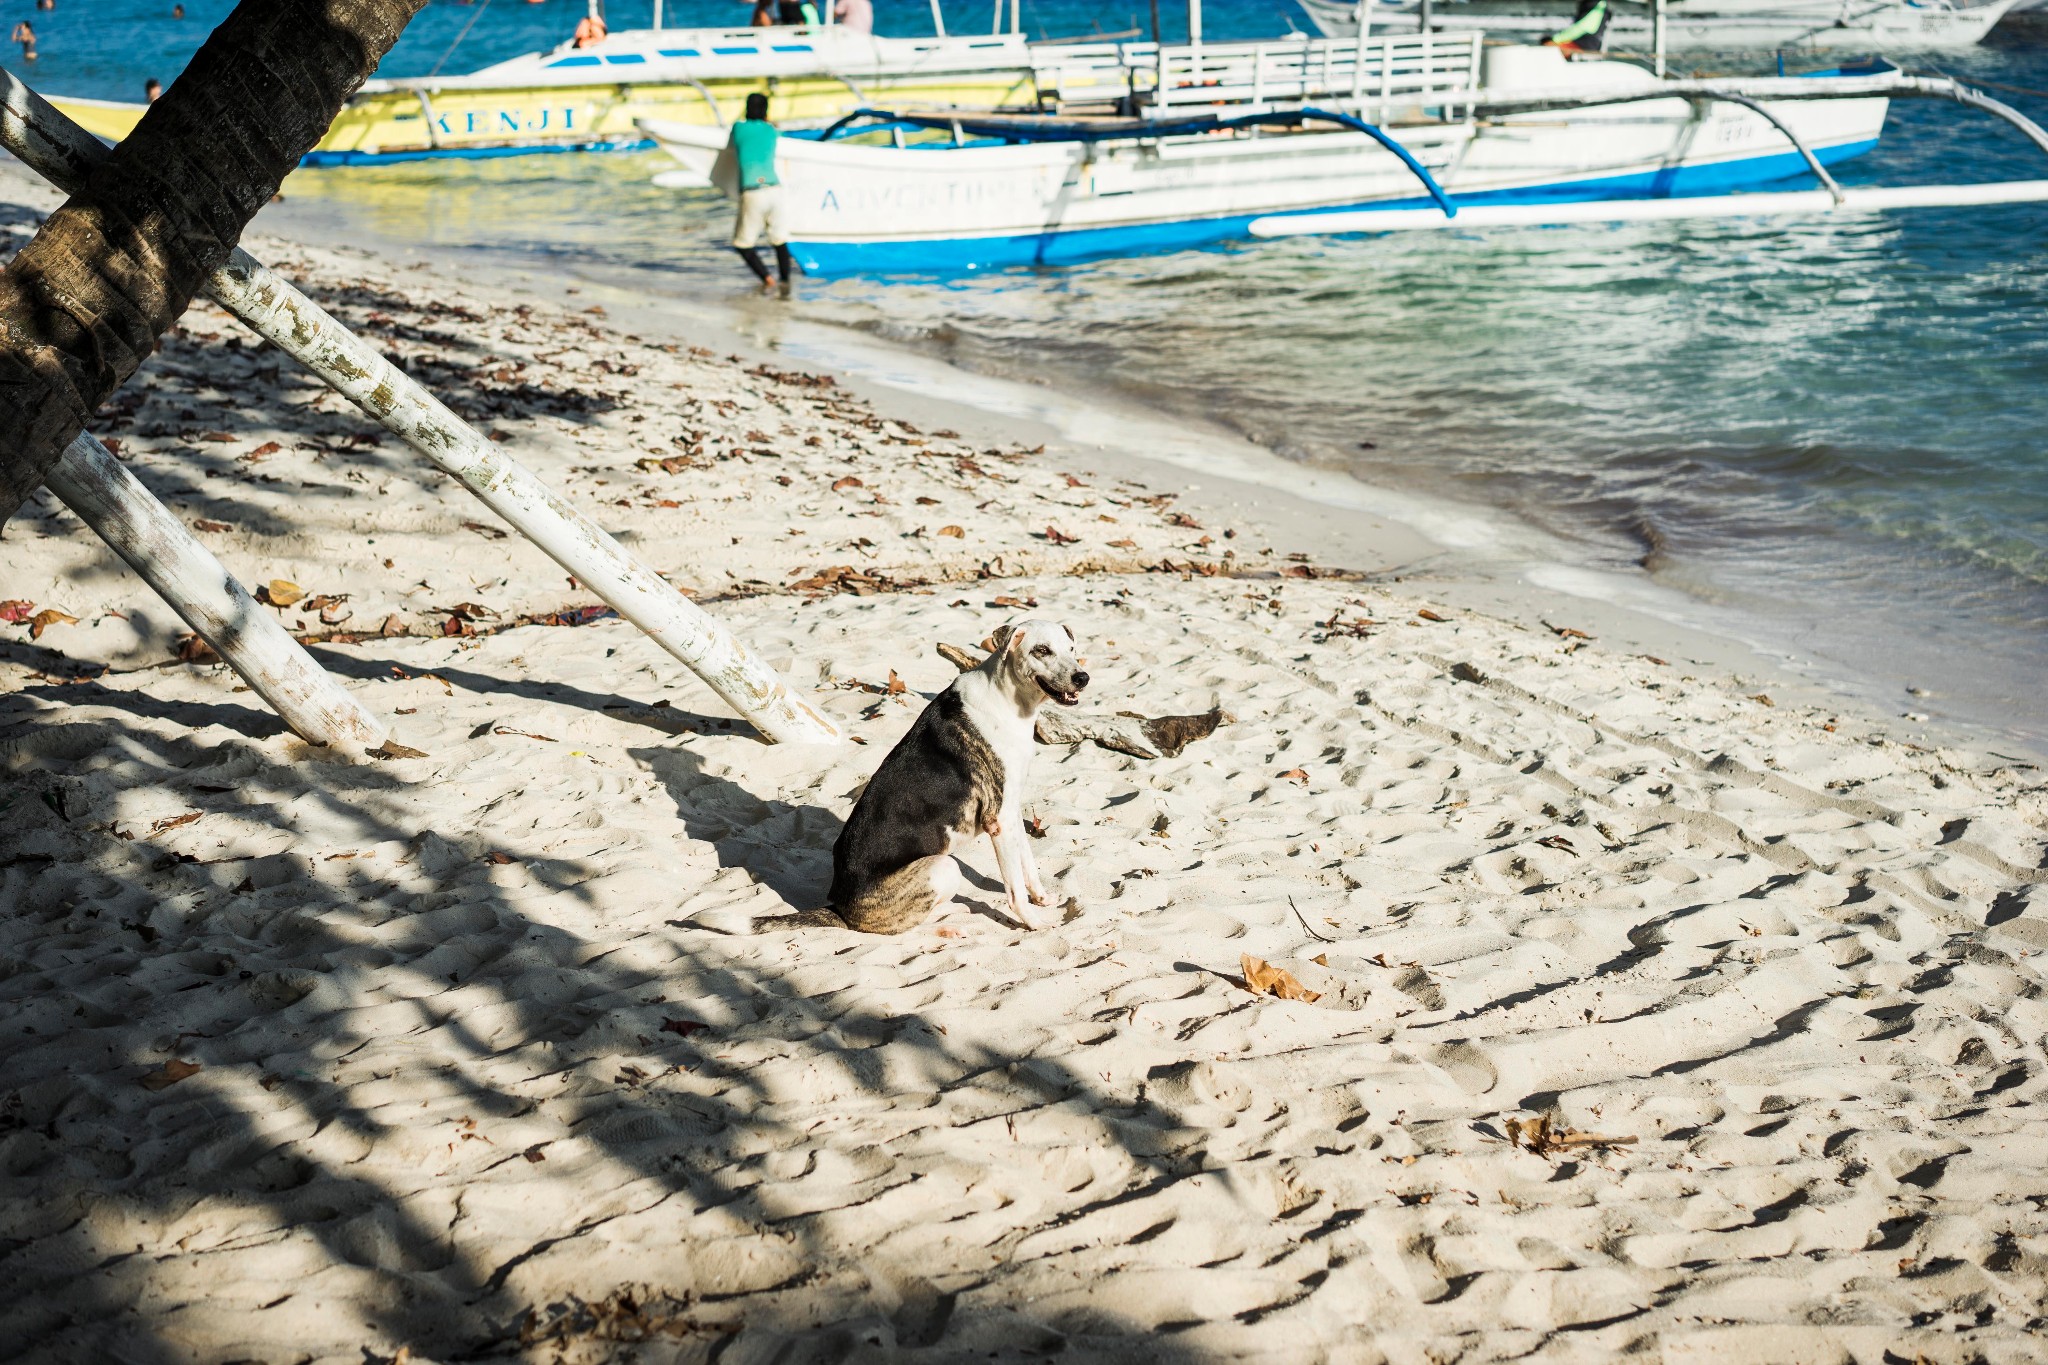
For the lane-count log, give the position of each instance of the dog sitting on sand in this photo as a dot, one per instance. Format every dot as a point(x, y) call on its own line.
point(957, 774)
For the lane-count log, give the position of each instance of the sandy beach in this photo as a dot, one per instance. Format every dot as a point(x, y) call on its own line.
point(1658, 1014)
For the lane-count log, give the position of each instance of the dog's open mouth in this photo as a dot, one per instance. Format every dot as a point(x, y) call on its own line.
point(1063, 698)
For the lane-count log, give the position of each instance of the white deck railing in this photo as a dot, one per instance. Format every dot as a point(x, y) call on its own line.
point(1437, 70)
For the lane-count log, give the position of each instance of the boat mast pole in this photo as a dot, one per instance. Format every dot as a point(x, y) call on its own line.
point(1194, 23)
point(938, 19)
point(1428, 18)
point(657, 14)
point(1657, 33)
point(1016, 16)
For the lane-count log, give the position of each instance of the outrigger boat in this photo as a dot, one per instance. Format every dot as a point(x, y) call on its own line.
point(589, 98)
point(1712, 25)
point(1236, 141)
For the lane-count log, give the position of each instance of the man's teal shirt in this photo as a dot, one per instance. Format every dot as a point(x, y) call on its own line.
point(753, 142)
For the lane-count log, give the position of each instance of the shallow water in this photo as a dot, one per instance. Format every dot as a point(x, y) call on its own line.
point(1827, 432)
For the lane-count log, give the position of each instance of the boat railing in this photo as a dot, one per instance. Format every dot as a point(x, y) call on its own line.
point(1080, 73)
point(1435, 70)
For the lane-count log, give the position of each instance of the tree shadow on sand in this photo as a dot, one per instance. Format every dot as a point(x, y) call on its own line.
point(380, 1028)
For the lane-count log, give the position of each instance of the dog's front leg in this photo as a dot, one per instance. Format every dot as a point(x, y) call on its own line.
point(1033, 886)
point(1005, 837)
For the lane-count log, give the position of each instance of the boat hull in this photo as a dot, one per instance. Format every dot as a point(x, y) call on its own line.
point(868, 210)
point(570, 100)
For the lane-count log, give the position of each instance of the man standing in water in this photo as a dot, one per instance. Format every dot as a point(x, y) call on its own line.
point(753, 148)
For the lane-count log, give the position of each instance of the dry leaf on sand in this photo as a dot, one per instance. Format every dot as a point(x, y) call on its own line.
point(953, 531)
point(282, 592)
point(16, 609)
point(1263, 978)
point(169, 1074)
point(1541, 1136)
point(1295, 775)
point(47, 617)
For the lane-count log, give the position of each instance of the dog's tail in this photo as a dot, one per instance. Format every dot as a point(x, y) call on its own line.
point(825, 917)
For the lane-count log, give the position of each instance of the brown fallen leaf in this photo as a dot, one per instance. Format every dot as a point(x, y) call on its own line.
point(193, 650)
point(1542, 1137)
point(1183, 519)
point(221, 437)
point(494, 532)
point(1263, 978)
point(1295, 775)
point(46, 618)
point(841, 485)
point(281, 592)
point(206, 524)
point(1059, 537)
point(1558, 841)
point(534, 1154)
point(945, 931)
point(169, 1074)
point(16, 610)
point(1426, 614)
point(523, 734)
point(171, 822)
point(1567, 632)
point(953, 531)
point(927, 502)
point(897, 687)
point(1125, 544)
point(501, 859)
point(1760, 699)
point(682, 1028)
point(263, 452)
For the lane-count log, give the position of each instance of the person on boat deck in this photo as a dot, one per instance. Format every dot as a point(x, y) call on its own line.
point(856, 16)
point(753, 147)
point(590, 31)
point(789, 13)
point(1585, 32)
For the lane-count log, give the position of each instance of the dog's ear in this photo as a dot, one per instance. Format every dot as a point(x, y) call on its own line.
point(1001, 639)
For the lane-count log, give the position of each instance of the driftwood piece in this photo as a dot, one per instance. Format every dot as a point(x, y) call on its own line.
point(126, 515)
point(1126, 732)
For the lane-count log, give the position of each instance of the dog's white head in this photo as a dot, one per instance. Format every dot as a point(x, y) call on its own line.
point(1040, 659)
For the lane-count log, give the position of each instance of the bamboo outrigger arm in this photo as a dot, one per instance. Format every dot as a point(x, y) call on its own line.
point(63, 153)
point(1744, 89)
point(185, 574)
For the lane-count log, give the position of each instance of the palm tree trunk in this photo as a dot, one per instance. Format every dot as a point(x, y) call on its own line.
point(82, 305)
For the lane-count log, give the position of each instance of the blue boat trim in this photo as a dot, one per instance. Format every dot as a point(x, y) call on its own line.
point(680, 52)
point(575, 61)
point(318, 160)
point(960, 255)
point(628, 59)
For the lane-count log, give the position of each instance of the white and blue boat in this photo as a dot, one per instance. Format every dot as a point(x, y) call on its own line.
point(1252, 140)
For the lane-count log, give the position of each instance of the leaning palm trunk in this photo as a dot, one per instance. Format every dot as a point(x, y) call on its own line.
point(82, 305)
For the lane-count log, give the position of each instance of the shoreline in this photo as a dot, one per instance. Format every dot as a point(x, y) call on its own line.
point(1640, 1011)
point(1494, 557)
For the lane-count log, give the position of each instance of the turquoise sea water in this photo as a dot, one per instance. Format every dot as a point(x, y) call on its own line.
point(1833, 432)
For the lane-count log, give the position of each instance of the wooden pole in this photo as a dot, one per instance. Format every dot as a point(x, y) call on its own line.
point(185, 574)
point(62, 152)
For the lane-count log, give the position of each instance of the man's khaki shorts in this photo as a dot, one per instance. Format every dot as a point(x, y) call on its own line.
point(760, 218)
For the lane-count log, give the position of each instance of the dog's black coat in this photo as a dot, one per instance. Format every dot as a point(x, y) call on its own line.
point(942, 776)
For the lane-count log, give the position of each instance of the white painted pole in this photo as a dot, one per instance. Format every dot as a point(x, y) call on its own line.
point(1871, 200)
point(938, 19)
point(657, 15)
point(1016, 16)
point(61, 152)
point(1194, 23)
point(1657, 36)
point(185, 574)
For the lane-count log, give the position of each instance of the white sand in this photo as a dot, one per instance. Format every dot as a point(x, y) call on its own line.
point(482, 1077)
